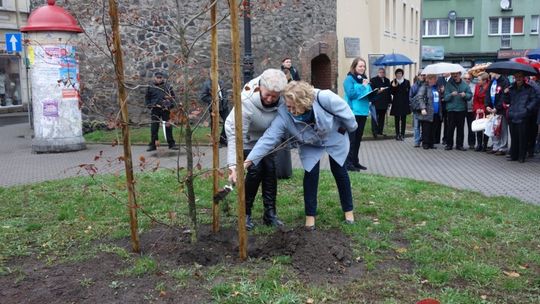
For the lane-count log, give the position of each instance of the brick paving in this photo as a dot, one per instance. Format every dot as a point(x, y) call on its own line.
point(489, 174)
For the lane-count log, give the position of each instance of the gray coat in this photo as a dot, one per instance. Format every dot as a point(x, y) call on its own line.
point(425, 101)
point(330, 132)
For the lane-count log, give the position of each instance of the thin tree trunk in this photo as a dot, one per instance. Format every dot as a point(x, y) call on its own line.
point(215, 114)
point(237, 85)
point(130, 183)
point(189, 155)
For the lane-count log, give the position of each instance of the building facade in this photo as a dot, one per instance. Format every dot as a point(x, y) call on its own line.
point(14, 89)
point(322, 37)
point(472, 32)
point(372, 28)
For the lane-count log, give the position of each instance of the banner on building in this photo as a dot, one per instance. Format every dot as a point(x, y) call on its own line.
point(432, 52)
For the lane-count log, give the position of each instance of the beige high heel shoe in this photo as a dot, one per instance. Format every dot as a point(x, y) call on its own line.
point(349, 217)
point(310, 223)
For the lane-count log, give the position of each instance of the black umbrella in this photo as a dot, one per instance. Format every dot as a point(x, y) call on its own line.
point(510, 67)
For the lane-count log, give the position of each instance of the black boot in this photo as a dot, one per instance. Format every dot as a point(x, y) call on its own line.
point(270, 218)
point(249, 223)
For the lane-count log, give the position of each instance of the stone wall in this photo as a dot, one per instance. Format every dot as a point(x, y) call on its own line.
point(151, 42)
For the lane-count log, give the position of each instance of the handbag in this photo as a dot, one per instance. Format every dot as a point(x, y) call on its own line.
point(490, 126)
point(479, 124)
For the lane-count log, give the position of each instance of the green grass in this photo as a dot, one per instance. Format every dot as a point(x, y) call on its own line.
point(449, 244)
point(141, 135)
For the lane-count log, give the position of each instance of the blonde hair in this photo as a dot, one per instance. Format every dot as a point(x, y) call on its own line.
point(300, 93)
point(484, 76)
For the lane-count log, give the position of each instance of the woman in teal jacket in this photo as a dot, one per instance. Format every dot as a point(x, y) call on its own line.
point(357, 87)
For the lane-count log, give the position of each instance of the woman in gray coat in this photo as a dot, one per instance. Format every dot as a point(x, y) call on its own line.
point(428, 101)
point(319, 121)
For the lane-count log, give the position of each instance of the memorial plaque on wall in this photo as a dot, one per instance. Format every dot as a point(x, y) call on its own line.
point(352, 47)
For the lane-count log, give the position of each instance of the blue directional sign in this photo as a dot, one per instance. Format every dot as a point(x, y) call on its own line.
point(13, 42)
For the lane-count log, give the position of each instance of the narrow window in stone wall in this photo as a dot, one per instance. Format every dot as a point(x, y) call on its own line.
point(535, 24)
point(404, 21)
point(417, 25)
point(387, 16)
point(412, 24)
point(394, 17)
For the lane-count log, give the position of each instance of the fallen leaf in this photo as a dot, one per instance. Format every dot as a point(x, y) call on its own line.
point(371, 202)
point(422, 224)
point(511, 274)
point(424, 281)
point(401, 250)
point(162, 293)
point(236, 293)
point(523, 267)
point(483, 297)
point(310, 301)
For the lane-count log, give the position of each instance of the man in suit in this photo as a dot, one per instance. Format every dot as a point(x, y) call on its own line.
point(381, 101)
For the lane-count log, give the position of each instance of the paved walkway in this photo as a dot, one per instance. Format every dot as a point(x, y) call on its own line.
point(489, 174)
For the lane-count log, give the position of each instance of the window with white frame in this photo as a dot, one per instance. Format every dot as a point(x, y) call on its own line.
point(436, 28)
point(535, 24)
point(505, 26)
point(463, 27)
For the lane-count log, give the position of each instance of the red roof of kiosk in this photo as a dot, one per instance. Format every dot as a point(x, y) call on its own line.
point(51, 18)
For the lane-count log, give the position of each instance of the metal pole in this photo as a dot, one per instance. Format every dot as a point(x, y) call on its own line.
point(247, 68)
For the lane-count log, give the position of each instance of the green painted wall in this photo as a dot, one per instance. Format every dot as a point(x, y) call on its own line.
point(481, 11)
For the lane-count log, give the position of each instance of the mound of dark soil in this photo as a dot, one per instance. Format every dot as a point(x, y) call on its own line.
point(317, 256)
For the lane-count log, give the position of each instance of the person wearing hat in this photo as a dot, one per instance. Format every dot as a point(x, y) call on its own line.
point(160, 100)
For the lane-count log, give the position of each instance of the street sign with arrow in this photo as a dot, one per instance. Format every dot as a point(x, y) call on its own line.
point(13, 42)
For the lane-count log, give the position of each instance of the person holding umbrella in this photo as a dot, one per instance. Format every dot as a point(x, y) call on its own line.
point(357, 88)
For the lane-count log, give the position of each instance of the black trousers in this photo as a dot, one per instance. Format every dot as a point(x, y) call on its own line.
point(429, 134)
point(263, 173)
point(377, 128)
point(400, 124)
point(481, 140)
point(444, 126)
point(355, 139)
point(518, 148)
point(223, 116)
point(157, 115)
point(471, 137)
point(456, 121)
point(532, 133)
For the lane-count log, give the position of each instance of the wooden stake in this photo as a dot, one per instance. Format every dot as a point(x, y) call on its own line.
point(237, 87)
point(215, 113)
point(119, 69)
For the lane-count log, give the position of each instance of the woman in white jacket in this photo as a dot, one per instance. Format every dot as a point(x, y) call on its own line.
point(260, 101)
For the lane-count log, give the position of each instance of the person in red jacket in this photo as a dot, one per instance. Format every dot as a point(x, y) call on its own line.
point(479, 108)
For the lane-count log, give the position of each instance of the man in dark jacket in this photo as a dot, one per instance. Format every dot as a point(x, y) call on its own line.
point(456, 95)
point(160, 100)
point(381, 101)
point(290, 71)
point(522, 99)
point(206, 97)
